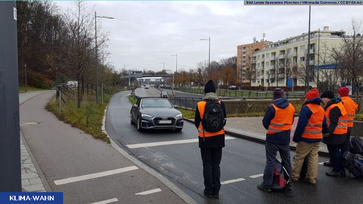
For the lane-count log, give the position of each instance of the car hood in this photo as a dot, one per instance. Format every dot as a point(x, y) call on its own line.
point(159, 112)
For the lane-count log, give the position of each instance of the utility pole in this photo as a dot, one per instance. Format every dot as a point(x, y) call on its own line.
point(10, 171)
point(307, 78)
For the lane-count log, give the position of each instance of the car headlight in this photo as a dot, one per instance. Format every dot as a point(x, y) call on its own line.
point(146, 115)
point(179, 116)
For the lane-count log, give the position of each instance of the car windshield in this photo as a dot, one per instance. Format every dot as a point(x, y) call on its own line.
point(156, 103)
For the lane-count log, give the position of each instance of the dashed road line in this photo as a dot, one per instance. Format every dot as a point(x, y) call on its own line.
point(232, 181)
point(106, 201)
point(256, 176)
point(95, 175)
point(156, 190)
point(154, 144)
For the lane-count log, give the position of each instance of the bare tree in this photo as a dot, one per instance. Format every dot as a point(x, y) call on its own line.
point(349, 58)
point(325, 76)
point(78, 47)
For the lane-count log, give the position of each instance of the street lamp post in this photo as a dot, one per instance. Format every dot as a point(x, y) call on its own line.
point(308, 57)
point(96, 50)
point(210, 72)
point(176, 67)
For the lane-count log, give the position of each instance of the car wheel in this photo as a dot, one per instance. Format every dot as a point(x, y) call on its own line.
point(131, 121)
point(139, 128)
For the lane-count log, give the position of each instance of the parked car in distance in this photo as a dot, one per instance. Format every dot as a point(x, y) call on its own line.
point(232, 87)
point(156, 113)
point(163, 94)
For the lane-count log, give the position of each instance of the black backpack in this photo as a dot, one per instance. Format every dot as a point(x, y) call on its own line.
point(213, 118)
point(356, 145)
point(353, 163)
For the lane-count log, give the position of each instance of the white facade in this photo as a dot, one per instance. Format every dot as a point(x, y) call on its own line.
point(284, 59)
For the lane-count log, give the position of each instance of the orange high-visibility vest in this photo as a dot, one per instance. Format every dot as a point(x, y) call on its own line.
point(342, 122)
point(283, 119)
point(351, 107)
point(314, 127)
point(201, 131)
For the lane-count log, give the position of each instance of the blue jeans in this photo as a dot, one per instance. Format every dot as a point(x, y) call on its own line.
point(211, 171)
point(335, 155)
point(271, 152)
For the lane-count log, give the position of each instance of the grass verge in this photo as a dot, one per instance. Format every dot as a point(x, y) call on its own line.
point(87, 118)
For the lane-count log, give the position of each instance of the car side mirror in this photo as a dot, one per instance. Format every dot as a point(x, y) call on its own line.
point(176, 106)
point(135, 105)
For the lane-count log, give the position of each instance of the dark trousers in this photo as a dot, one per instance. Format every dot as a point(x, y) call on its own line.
point(271, 153)
point(335, 156)
point(345, 146)
point(211, 158)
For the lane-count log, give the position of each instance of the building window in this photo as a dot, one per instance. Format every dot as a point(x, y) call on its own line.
point(302, 48)
point(302, 59)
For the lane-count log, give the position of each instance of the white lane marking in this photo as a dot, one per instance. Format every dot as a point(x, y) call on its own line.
point(95, 175)
point(154, 144)
point(256, 176)
point(232, 181)
point(149, 192)
point(106, 201)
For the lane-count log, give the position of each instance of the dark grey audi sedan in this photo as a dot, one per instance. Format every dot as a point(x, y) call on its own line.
point(156, 113)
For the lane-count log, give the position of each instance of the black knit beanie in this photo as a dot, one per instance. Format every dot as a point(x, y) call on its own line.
point(327, 94)
point(209, 87)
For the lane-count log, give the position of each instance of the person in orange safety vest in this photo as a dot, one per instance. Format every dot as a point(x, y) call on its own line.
point(277, 121)
point(308, 135)
point(336, 133)
point(210, 144)
point(351, 107)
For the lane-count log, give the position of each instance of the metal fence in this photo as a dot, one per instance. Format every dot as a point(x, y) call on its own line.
point(185, 102)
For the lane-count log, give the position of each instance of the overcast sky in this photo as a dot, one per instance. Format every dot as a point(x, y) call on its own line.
point(144, 34)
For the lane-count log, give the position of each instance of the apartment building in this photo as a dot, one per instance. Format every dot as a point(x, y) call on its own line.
point(244, 59)
point(283, 63)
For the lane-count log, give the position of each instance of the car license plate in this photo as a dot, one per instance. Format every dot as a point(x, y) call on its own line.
point(164, 121)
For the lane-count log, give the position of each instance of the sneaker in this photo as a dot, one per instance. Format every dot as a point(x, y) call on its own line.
point(327, 163)
point(333, 174)
point(260, 187)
